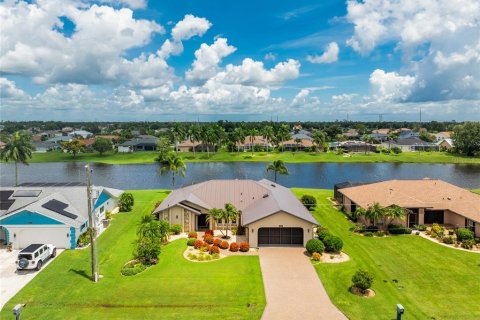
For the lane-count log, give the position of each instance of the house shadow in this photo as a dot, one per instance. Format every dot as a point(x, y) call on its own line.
point(82, 273)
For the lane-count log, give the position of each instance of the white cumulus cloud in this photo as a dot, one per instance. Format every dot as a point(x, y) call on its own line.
point(390, 86)
point(330, 54)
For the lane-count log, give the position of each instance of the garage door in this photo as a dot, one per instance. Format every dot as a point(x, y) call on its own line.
point(280, 236)
point(28, 236)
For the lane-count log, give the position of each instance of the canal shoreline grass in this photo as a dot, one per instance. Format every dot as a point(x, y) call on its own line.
point(288, 157)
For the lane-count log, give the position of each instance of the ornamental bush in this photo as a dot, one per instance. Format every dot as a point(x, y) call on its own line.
point(224, 245)
point(176, 228)
point(314, 246)
point(464, 234)
point(192, 234)
point(208, 239)
point(244, 247)
point(206, 247)
point(217, 242)
point(316, 256)
point(191, 242)
point(333, 244)
point(468, 244)
point(208, 232)
point(309, 201)
point(362, 280)
point(398, 229)
point(132, 268)
point(214, 249)
point(448, 240)
point(234, 247)
point(368, 234)
point(126, 202)
point(322, 234)
point(197, 244)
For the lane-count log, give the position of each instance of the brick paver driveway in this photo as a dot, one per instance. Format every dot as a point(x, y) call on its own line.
point(292, 287)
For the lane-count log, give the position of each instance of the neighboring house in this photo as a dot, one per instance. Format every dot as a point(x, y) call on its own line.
point(351, 133)
point(293, 145)
point(411, 144)
point(81, 134)
point(248, 143)
point(2, 145)
point(67, 129)
point(141, 143)
point(45, 146)
point(407, 133)
point(51, 213)
point(60, 139)
point(442, 136)
point(187, 146)
point(88, 143)
point(110, 137)
point(356, 146)
point(380, 134)
point(269, 212)
point(446, 144)
point(428, 201)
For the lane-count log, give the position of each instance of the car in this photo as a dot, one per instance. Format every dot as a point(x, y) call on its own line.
point(34, 256)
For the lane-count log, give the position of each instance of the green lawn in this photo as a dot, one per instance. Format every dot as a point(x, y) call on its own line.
point(291, 157)
point(229, 288)
point(431, 281)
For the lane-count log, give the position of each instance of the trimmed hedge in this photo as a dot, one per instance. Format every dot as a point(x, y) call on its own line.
point(314, 246)
point(322, 234)
point(362, 280)
point(224, 245)
point(176, 228)
point(309, 201)
point(198, 244)
point(214, 249)
point(398, 229)
point(234, 247)
point(333, 244)
point(132, 268)
point(191, 242)
point(217, 242)
point(208, 239)
point(244, 247)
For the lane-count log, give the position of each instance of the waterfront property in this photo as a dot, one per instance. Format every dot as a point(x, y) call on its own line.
point(412, 143)
point(51, 213)
point(428, 201)
point(141, 143)
point(269, 212)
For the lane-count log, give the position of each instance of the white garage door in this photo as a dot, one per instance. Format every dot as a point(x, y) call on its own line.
point(55, 236)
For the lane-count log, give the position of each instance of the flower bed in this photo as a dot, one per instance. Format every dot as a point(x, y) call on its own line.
point(132, 268)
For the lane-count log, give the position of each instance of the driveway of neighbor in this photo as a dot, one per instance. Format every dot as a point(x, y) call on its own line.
point(11, 280)
point(292, 287)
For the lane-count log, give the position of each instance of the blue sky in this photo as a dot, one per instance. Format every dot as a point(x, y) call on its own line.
point(239, 60)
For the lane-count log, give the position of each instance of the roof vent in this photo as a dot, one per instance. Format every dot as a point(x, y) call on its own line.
point(265, 195)
point(273, 185)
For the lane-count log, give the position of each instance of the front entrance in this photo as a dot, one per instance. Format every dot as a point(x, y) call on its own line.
point(412, 220)
point(434, 216)
point(202, 222)
point(280, 236)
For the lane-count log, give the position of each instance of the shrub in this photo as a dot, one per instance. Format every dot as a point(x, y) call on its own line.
point(371, 229)
point(309, 201)
point(368, 234)
point(233, 247)
point(362, 280)
point(468, 244)
point(244, 246)
point(176, 228)
point(208, 232)
point(84, 239)
point(198, 244)
point(192, 234)
point(126, 202)
point(464, 234)
point(333, 244)
point(316, 256)
point(477, 240)
point(147, 250)
point(437, 231)
point(217, 242)
point(208, 239)
point(379, 234)
point(191, 242)
point(108, 215)
point(206, 247)
point(224, 245)
point(448, 240)
point(422, 227)
point(398, 229)
point(314, 246)
point(132, 268)
point(396, 150)
point(214, 249)
point(322, 234)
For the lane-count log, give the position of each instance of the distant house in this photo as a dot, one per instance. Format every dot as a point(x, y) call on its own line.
point(88, 143)
point(45, 146)
point(67, 129)
point(442, 136)
point(351, 133)
point(411, 144)
point(81, 133)
point(446, 144)
point(380, 134)
point(428, 201)
point(141, 143)
point(407, 133)
point(296, 145)
point(250, 143)
point(113, 138)
point(355, 146)
point(51, 213)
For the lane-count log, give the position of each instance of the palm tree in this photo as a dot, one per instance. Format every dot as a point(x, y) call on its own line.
point(177, 133)
point(298, 142)
point(277, 166)
point(368, 139)
point(239, 137)
point(392, 213)
point(148, 227)
point(253, 134)
point(175, 165)
point(375, 212)
point(193, 136)
point(18, 149)
point(214, 215)
point(283, 134)
point(230, 213)
point(359, 213)
point(267, 133)
point(319, 139)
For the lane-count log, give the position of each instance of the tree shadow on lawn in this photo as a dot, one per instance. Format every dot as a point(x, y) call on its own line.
point(82, 273)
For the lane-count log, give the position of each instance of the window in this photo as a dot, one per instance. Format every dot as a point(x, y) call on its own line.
point(470, 225)
point(102, 209)
point(36, 254)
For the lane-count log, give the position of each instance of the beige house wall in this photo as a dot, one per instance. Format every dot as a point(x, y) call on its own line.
point(477, 229)
point(279, 219)
point(347, 203)
point(179, 215)
point(454, 219)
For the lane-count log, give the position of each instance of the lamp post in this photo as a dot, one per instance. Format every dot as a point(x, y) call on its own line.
point(400, 311)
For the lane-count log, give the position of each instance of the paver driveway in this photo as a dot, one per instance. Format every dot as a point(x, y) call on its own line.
point(292, 287)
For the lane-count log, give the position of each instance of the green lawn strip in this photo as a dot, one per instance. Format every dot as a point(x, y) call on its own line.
point(433, 281)
point(290, 157)
point(230, 288)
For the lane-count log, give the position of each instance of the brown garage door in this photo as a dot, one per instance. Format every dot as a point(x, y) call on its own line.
point(280, 237)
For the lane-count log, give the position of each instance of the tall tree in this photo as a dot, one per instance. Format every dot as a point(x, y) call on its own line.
point(368, 139)
point(230, 213)
point(375, 212)
point(214, 215)
point(74, 147)
point(466, 138)
point(102, 145)
point(253, 134)
point(277, 166)
point(178, 133)
point(18, 149)
point(194, 136)
point(239, 137)
point(319, 139)
point(283, 134)
point(175, 165)
point(267, 133)
point(393, 213)
point(163, 148)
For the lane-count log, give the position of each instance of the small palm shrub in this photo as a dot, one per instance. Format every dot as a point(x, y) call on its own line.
point(362, 280)
point(192, 234)
point(214, 249)
point(224, 245)
point(191, 242)
point(208, 239)
point(309, 201)
point(198, 244)
point(205, 248)
point(333, 244)
point(176, 228)
point(234, 247)
point(244, 246)
point(316, 256)
point(314, 246)
point(464, 234)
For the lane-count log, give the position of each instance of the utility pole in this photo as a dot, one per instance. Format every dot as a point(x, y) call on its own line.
point(91, 223)
point(420, 114)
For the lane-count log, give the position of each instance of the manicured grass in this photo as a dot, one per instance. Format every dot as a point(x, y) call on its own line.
point(291, 157)
point(229, 288)
point(431, 281)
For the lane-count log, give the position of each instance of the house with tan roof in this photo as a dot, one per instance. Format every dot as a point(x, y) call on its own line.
point(428, 201)
point(269, 212)
point(253, 141)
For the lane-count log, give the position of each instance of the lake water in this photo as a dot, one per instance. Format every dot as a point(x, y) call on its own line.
point(306, 175)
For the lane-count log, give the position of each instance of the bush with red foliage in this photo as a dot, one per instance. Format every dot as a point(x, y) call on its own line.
point(209, 232)
point(206, 247)
point(198, 244)
point(244, 247)
point(217, 242)
point(214, 249)
point(224, 245)
point(208, 239)
point(234, 247)
point(192, 234)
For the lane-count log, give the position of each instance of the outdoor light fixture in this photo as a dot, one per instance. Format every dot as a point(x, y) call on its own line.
point(400, 311)
point(68, 235)
point(16, 311)
point(252, 230)
point(14, 235)
point(308, 230)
